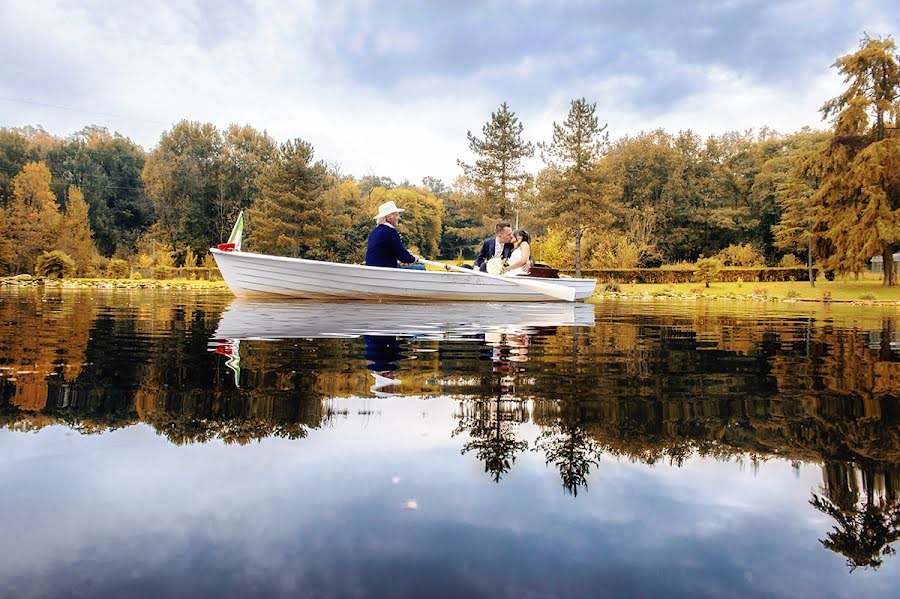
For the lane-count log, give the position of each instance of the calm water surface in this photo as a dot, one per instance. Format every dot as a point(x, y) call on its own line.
point(164, 444)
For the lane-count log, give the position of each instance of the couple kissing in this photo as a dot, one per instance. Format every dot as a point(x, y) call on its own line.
point(508, 253)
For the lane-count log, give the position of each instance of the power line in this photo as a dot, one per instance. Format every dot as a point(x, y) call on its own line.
point(79, 110)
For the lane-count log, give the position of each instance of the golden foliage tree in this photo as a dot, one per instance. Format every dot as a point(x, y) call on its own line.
point(76, 238)
point(858, 200)
point(30, 223)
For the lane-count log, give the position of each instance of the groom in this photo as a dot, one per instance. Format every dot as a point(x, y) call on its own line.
point(500, 247)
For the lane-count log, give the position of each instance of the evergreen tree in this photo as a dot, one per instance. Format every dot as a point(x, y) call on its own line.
point(289, 218)
point(782, 179)
point(857, 203)
point(576, 194)
point(497, 172)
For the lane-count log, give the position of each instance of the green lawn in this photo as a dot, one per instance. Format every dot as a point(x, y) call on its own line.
point(850, 289)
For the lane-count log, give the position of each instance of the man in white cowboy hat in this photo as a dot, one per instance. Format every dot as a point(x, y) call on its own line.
point(385, 247)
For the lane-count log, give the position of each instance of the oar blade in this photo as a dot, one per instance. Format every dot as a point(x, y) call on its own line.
point(560, 292)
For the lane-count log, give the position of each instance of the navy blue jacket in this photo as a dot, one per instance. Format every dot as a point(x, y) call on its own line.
point(487, 252)
point(385, 248)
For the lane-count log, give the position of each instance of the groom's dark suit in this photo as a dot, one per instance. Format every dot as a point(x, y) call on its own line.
point(487, 252)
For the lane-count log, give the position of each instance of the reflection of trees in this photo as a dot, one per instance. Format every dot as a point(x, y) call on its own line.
point(45, 350)
point(865, 527)
point(572, 450)
point(492, 428)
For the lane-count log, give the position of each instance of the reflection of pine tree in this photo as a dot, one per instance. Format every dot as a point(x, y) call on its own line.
point(863, 533)
point(493, 436)
point(572, 450)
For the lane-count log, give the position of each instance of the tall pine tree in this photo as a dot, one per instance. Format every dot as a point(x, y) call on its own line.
point(497, 172)
point(289, 217)
point(576, 194)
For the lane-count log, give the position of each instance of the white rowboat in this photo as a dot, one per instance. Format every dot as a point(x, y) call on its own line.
point(249, 274)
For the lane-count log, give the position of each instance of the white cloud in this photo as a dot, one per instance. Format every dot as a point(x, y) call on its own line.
point(295, 71)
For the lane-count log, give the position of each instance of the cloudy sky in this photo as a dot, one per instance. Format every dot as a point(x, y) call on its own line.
point(392, 87)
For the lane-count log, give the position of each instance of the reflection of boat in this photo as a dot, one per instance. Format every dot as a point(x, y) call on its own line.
point(259, 274)
point(452, 320)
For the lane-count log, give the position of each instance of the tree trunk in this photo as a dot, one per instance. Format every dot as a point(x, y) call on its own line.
point(887, 256)
point(812, 278)
point(578, 234)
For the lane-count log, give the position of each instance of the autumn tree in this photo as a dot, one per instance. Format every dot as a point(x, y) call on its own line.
point(76, 237)
point(182, 178)
point(289, 218)
point(30, 223)
point(575, 195)
point(857, 202)
point(497, 171)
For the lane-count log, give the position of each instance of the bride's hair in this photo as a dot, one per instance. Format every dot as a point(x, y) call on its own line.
point(523, 235)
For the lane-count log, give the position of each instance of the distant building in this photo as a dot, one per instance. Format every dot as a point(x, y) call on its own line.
point(876, 264)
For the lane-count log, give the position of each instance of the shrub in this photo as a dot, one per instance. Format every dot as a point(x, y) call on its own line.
point(117, 269)
point(163, 272)
point(612, 287)
point(609, 249)
point(707, 269)
point(792, 294)
point(208, 261)
point(789, 261)
point(556, 248)
point(136, 275)
point(649, 258)
point(867, 296)
point(55, 265)
point(742, 254)
point(760, 291)
point(190, 258)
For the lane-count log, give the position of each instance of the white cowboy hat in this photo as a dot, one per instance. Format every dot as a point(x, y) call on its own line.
point(388, 208)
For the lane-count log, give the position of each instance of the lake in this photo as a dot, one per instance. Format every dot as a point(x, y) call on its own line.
point(187, 443)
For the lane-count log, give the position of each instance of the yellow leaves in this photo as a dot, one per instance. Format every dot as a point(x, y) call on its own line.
point(31, 222)
point(76, 238)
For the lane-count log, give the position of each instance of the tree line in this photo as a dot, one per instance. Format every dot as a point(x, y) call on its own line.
point(825, 197)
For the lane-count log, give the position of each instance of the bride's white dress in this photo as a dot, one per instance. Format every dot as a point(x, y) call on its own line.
point(513, 258)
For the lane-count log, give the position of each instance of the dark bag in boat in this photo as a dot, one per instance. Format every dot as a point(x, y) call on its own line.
point(543, 271)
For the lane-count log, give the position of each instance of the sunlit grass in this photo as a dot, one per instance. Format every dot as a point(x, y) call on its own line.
point(850, 289)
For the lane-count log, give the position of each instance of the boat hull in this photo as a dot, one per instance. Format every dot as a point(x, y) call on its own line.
point(248, 275)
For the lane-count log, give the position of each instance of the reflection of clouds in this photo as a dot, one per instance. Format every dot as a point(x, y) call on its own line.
point(322, 516)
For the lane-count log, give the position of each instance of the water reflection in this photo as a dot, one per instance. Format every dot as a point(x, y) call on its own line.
point(575, 387)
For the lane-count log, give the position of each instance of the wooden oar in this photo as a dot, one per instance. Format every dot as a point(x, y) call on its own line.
point(558, 291)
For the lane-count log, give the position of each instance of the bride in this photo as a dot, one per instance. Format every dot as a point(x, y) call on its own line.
point(519, 262)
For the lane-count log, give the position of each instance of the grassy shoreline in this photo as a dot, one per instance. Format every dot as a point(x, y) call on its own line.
point(862, 292)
